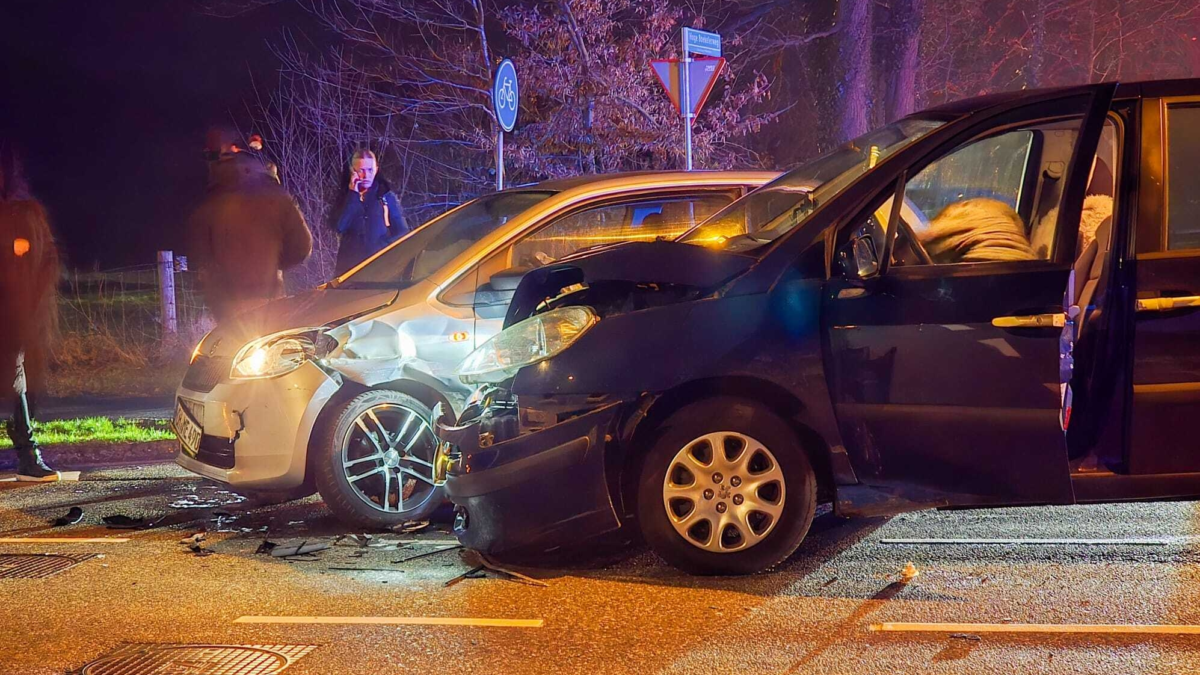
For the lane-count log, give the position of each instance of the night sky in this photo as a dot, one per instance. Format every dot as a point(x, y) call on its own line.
point(110, 100)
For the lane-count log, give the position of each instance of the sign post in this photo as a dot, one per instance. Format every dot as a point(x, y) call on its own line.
point(505, 101)
point(694, 42)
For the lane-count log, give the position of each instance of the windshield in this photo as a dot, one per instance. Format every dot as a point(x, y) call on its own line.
point(429, 247)
point(774, 209)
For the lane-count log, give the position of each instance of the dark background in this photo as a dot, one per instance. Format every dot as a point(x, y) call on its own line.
point(110, 101)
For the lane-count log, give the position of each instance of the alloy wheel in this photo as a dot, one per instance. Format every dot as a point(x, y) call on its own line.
point(724, 492)
point(387, 457)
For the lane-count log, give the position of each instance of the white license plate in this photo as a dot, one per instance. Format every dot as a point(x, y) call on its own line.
point(187, 430)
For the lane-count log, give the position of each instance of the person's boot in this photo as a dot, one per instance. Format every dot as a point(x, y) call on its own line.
point(31, 468)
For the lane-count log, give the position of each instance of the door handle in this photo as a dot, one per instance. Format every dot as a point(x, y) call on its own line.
point(1031, 321)
point(1167, 304)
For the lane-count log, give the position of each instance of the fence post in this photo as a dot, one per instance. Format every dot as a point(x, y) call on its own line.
point(166, 291)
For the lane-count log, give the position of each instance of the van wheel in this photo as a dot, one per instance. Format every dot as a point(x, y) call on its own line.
point(374, 467)
point(726, 488)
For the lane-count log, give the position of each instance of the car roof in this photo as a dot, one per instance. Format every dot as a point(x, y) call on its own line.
point(626, 179)
point(1176, 87)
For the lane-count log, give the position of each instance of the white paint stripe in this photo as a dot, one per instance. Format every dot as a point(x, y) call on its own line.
point(1110, 629)
point(1032, 542)
point(395, 620)
point(63, 540)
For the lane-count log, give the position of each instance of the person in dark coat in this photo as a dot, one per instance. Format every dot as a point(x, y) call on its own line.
point(29, 270)
point(370, 216)
point(246, 231)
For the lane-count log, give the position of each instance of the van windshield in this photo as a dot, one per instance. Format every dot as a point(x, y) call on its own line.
point(417, 256)
point(774, 209)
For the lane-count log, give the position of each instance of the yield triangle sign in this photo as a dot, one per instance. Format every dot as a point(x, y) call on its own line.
point(703, 74)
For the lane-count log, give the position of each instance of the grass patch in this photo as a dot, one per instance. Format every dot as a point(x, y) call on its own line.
point(98, 430)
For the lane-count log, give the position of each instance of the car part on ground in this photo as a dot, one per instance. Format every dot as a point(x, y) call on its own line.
point(373, 461)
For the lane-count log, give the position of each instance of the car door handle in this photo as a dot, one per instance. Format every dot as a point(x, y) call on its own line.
point(1031, 321)
point(1167, 304)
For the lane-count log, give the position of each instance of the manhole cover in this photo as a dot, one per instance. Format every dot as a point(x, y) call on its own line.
point(37, 565)
point(197, 660)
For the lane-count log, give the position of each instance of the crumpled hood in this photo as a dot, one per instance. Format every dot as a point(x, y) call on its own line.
point(653, 262)
point(309, 309)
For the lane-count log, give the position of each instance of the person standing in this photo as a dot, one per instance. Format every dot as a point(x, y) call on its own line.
point(29, 269)
point(370, 217)
point(246, 231)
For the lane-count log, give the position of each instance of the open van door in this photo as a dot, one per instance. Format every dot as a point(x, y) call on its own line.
point(943, 360)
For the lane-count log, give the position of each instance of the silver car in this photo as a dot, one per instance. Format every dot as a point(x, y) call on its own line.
point(332, 390)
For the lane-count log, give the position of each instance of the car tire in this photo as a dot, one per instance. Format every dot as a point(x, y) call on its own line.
point(348, 501)
point(790, 484)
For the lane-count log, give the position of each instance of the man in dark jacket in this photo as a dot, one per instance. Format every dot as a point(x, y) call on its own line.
point(246, 231)
point(28, 274)
point(370, 215)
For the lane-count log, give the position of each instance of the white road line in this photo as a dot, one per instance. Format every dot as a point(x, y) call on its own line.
point(395, 620)
point(1109, 629)
point(63, 540)
point(1031, 542)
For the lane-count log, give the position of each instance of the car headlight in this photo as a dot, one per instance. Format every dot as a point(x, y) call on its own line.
point(526, 343)
point(279, 353)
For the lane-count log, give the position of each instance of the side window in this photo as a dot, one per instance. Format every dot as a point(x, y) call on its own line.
point(1183, 178)
point(993, 200)
point(636, 221)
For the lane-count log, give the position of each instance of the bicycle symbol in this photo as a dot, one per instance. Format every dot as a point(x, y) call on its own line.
point(508, 97)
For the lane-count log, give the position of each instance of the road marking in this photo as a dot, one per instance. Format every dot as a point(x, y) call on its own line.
point(1032, 542)
point(63, 540)
point(1111, 629)
point(395, 620)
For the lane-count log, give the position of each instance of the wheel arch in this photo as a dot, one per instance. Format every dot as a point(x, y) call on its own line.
point(638, 427)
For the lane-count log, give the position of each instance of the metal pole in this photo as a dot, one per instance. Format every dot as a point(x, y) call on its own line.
point(499, 158)
point(166, 290)
point(685, 99)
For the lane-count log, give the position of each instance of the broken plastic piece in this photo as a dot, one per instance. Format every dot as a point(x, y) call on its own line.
point(411, 526)
point(301, 549)
point(909, 573)
point(73, 516)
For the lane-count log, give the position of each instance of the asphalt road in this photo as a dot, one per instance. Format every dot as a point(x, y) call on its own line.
point(609, 608)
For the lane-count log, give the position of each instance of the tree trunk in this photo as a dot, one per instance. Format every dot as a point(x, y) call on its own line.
point(857, 78)
point(903, 94)
point(1037, 48)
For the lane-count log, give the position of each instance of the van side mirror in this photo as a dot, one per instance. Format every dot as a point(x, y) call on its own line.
point(859, 258)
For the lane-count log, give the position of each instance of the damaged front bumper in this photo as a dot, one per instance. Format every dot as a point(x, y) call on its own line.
point(515, 486)
point(255, 433)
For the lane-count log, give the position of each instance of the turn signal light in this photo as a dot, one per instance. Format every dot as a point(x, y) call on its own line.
point(461, 336)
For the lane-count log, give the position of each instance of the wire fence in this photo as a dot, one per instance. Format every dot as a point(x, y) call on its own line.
point(117, 315)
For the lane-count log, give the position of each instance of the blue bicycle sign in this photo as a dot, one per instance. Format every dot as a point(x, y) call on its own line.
point(506, 95)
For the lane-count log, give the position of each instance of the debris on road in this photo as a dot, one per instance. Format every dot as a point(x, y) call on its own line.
point(411, 527)
point(303, 548)
point(122, 522)
point(909, 573)
point(73, 516)
point(452, 547)
point(265, 547)
point(513, 576)
point(966, 636)
point(473, 573)
point(195, 544)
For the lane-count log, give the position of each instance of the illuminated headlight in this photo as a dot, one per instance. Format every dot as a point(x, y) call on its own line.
point(278, 354)
point(526, 343)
